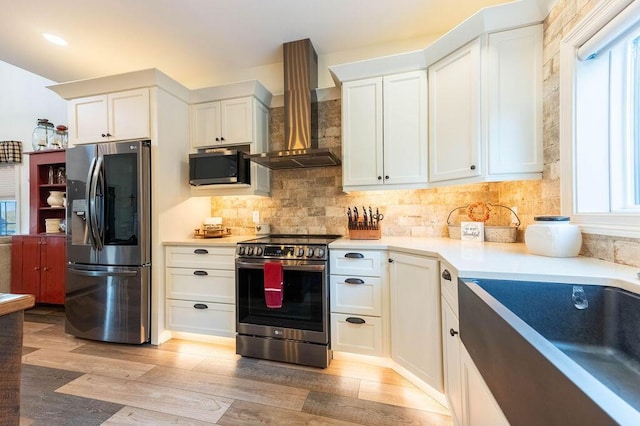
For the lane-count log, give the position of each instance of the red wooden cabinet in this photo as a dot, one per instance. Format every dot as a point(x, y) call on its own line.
point(38, 267)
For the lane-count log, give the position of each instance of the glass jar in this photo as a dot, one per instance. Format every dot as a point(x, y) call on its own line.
point(42, 134)
point(60, 137)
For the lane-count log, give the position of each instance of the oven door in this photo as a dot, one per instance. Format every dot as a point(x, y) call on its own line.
point(305, 304)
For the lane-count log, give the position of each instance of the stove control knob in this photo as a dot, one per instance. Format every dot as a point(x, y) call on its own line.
point(300, 251)
point(250, 251)
point(240, 250)
point(258, 251)
point(310, 252)
point(320, 252)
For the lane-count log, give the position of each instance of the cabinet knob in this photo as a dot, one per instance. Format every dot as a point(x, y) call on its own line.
point(217, 139)
point(446, 275)
point(109, 134)
point(473, 167)
point(390, 260)
point(104, 135)
point(221, 139)
point(37, 268)
point(386, 177)
point(379, 177)
point(452, 332)
point(46, 268)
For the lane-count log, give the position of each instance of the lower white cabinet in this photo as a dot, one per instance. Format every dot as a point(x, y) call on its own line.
point(470, 400)
point(359, 289)
point(415, 316)
point(200, 290)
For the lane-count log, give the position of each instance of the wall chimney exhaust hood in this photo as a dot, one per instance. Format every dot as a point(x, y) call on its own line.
point(300, 113)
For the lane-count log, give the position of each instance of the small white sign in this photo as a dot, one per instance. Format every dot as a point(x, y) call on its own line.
point(472, 231)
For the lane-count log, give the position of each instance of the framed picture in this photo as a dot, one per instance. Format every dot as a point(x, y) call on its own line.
point(472, 231)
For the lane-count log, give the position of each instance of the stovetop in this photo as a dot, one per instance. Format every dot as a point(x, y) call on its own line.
point(293, 239)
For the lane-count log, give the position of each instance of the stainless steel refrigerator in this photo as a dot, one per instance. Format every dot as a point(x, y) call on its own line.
point(109, 241)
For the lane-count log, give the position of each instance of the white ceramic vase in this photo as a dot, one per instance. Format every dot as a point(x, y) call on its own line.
point(55, 199)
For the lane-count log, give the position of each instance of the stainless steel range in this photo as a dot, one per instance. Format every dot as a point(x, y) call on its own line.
point(282, 289)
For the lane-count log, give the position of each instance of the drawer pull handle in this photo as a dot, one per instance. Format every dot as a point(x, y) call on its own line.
point(200, 273)
point(354, 281)
point(452, 332)
point(446, 275)
point(354, 255)
point(200, 306)
point(355, 320)
point(201, 251)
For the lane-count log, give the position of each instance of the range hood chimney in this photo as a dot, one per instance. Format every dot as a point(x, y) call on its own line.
point(300, 112)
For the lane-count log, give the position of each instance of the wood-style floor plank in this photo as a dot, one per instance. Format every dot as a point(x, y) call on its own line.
point(242, 413)
point(200, 348)
point(138, 416)
point(146, 354)
point(370, 413)
point(252, 369)
point(402, 396)
point(268, 394)
point(86, 364)
point(34, 327)
point(64, 343)
point(193, 405)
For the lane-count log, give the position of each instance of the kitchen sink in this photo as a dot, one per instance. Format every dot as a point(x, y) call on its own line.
point(555, 353)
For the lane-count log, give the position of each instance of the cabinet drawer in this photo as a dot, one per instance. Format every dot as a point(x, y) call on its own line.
point(201, 257)
point(216, 319)
point(356, 295)
point(449, 286)
point(364, 338)
point(356, 263)
point(210, 285)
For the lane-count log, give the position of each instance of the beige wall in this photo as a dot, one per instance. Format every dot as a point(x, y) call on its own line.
point(311, 200)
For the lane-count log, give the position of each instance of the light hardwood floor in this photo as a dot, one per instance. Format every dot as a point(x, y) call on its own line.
point(71, 381)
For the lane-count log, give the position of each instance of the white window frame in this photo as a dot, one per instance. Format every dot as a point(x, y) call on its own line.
point(619, 223)
point(16, 195)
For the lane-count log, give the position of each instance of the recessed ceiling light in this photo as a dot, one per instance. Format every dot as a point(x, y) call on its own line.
point(57, 40)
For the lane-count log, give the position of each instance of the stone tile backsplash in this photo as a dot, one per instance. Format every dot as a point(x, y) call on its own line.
point(311, 200)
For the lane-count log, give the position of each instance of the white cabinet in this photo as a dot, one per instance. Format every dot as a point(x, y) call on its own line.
point(114, 116)
point(200, 290)
point(485, 109)
point(470, 400)
point(359, 289)
point(238, 123)
point(226, 122)
point(415, 316)
point(384, 132)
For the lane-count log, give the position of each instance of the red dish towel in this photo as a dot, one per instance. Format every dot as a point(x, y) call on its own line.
point(273, 284)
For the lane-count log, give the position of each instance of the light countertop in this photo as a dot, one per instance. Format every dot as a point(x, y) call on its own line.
point(229, 241)
point(505, 261)
point(10, 303)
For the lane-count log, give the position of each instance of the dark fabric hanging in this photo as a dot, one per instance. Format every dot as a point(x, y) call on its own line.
point(10, 152)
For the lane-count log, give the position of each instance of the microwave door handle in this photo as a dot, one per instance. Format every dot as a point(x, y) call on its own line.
point(94, 228)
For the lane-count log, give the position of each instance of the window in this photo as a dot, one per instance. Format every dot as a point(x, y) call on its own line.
point(600, 120)
point(8, 211)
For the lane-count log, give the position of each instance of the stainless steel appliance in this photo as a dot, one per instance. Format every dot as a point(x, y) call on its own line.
point(109, 241)
point(212, 167)
point(298, 331)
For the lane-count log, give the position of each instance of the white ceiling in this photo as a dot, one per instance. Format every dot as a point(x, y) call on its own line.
point(203, 43)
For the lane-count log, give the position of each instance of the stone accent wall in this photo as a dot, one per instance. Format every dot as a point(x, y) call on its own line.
point(312, 201)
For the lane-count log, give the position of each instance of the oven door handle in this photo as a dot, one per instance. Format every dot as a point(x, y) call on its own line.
point(285, 266)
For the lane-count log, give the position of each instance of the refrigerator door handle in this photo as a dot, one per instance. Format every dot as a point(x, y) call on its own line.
point(89, 273)
point(96, 205)
point(88, 205)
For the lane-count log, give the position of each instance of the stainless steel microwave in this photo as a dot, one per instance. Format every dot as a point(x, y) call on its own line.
point(219, 167)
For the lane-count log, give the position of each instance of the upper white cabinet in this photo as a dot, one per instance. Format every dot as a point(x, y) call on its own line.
point(384, 139)
point(226, 122)
point(114, 116)
point(485, 109)
point(415, 316)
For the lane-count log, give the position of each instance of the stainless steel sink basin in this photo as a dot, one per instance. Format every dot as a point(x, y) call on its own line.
point(555, 353)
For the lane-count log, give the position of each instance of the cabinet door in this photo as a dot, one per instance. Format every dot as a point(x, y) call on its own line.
point(129, 114)
point(27, 247)
point(454, 115)
point(405, 128)
point(451, 361)
point(88, 119)
point(362, 149)
point(236, 121)
point(205, 125)
point(53, 269)
point(479, 406)
point(514, 72)
point(415, 316)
